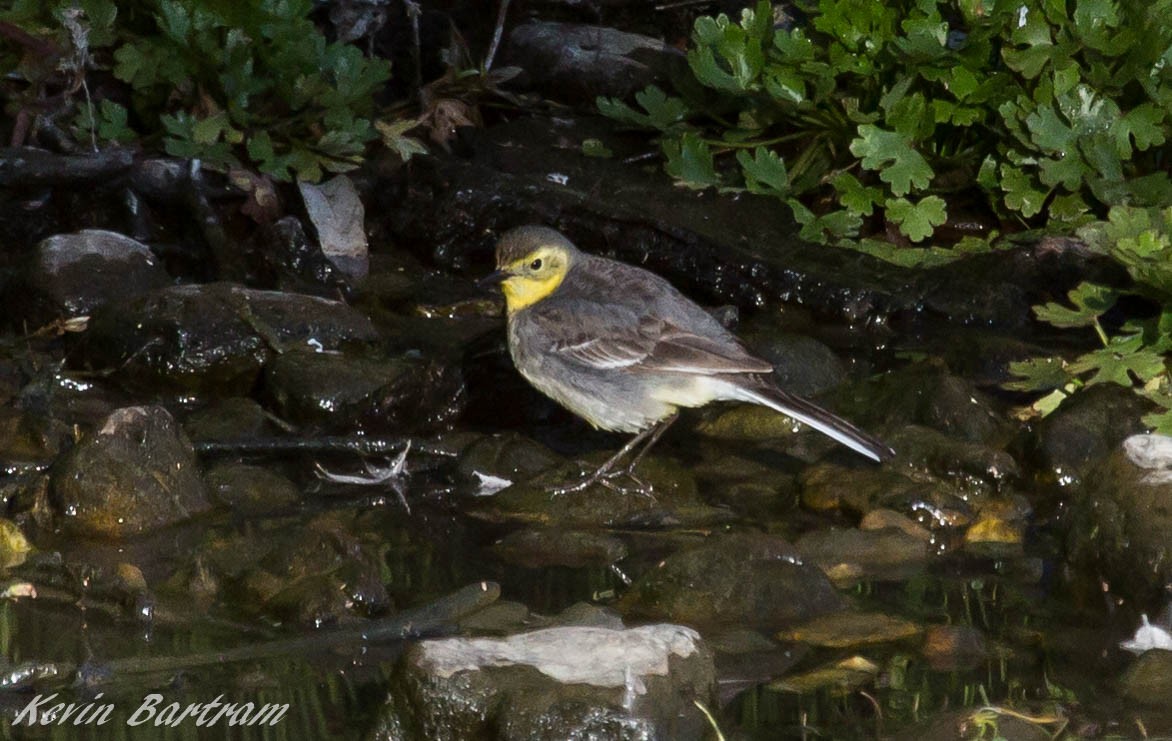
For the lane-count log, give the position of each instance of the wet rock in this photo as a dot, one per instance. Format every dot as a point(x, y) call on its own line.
point(508, 456)
point(745, 485)
point(317, 574)
point(927, 396)
point(999, 530)
point(673, 502)
point(747, 580)
point(537, 548)
point(975, 468)
point(1121, 524)
point(588, 615)
point(374, 394)
point(501, 618)
point(134, 474)
point(212, 338)
point(801, 364)
point(1149, 679)
point(251, 490)
point(30, 438)
point(849, 628)
point(71, 275)
point(839, 676)
point(954, 647)
point(1072, 442)
point(829, 486)
point(288, 261)
point(569, 682)
point(848, 556)
point(229, 420)
point(575, 64)
point(746, 658)
point(879, 519)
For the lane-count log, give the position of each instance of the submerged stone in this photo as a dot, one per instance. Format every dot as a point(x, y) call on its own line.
point(228, 420)
point(212, 338)
point(564, 682)
point(746, 579)
point(372, 394)
point(136, 473)
point(1072, 442)
point(1121, 524)
point(536, 548)
point(1149, 678)
point(849, 628)
point(251, 490)
point(671, 502)
point(848, 556)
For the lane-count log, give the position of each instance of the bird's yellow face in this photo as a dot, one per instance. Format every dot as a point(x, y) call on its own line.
point(534, 276)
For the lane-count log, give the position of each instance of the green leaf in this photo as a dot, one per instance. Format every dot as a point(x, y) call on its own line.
point(764, 172)
point(917, 221)
point(690, 161)
point(1038, 374)
point(898, 163)
point(1122, 362)
point(854, 195)
point(1020, 192)
point(663, 112)
point(1090, 302)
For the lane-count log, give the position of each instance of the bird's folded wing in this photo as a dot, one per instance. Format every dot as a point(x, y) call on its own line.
point(658, 346)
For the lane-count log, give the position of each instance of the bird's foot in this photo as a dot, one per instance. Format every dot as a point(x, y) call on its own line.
point(609, 479)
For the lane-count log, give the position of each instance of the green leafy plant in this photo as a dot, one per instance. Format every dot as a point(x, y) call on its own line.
point(228, 83)
point(256, 79)
point(895, 110)
point(1135, 355)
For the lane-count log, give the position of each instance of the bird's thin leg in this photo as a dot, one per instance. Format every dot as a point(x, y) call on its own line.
point(657, 432)
point(605, 472)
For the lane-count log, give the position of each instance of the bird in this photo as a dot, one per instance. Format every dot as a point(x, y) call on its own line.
point(622, 348)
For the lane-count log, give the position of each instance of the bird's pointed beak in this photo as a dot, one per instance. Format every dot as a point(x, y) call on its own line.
point(494, 278)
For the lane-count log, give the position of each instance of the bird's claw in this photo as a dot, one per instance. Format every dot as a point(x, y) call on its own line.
point(607, 479)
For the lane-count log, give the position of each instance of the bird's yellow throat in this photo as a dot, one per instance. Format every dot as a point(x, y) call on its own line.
point(522, 290)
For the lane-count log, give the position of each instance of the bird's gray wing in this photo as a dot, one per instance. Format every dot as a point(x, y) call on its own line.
point(611, 337)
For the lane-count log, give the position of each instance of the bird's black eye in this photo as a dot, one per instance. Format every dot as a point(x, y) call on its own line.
point(535, 265)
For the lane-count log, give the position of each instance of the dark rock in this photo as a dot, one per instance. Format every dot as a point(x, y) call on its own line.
point(323, 572)
point(1072, 441)
point(673, 502)
point(745, 580)
point(1149, 679)
point(949, 648)
point(575, 64)
point(506, 456)
point(71, 275)
point(135, 474)
point(1121, 524)
point(801, 364)
point(925, 395)
point(534, 548)
point(212, 338)
point(374, 394)
point(556, 683)
point(29, 438)
point(229, 420)
point(848, 556)
point(287, 260)
point(251, 490)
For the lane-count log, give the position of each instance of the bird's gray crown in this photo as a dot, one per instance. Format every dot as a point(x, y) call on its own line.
point(518, 243)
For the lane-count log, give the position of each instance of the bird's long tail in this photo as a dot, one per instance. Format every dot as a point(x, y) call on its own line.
point(766, 394)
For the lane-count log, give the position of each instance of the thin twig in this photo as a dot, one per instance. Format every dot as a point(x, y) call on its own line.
point(501, 13)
